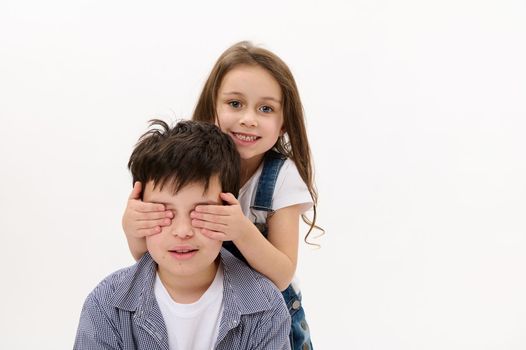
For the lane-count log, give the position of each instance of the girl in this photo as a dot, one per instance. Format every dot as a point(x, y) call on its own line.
point(251, 94)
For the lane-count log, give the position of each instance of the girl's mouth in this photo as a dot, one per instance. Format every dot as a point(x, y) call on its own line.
point(245, 137)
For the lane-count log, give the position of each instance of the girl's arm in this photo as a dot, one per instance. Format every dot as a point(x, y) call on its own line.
point(141, 219)
point(276, 257)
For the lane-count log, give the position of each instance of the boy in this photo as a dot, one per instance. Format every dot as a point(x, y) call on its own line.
point(186, 292)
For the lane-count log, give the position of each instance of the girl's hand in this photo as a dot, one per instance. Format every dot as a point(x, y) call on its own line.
point(221, 222)
point(143, 219)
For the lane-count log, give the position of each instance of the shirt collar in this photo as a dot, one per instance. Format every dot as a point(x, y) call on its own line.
point(243, 289)
point(136, 286)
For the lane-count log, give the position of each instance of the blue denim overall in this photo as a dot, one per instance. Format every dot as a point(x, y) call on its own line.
point(299, 333)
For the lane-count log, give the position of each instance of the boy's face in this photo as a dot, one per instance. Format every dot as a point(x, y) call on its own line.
point(180, 250)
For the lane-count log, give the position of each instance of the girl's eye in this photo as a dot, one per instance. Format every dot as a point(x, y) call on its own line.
point(266, 109)
point(235, 104)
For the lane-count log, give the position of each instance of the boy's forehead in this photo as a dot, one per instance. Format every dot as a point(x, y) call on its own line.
point(194, 191)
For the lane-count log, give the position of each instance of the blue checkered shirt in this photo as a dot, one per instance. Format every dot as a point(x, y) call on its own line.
point(122, 313)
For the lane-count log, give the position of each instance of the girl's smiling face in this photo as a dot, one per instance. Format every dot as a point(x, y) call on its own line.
point(250, 110)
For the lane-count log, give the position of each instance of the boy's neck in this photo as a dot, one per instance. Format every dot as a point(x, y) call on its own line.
point(188, 289)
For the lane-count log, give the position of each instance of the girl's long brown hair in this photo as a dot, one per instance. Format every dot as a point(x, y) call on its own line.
point(294, 144)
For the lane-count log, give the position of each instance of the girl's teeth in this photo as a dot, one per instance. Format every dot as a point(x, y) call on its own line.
point(246, 137)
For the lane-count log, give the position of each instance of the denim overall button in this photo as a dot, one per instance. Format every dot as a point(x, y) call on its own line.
point(304, 325)
point(296, 304)
point(305, 346)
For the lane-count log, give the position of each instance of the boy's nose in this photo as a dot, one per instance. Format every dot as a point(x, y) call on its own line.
point(182, 228)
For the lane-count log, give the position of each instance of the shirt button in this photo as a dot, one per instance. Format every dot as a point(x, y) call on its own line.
point(296, 304)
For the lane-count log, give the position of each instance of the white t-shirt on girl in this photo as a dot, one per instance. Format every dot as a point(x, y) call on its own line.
point(196, 325)
point(289, 190)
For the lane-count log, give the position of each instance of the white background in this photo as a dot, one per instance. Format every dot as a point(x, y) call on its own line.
point(416, 116)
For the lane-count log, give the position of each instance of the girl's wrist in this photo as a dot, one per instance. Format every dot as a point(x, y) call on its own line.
point(247, 231)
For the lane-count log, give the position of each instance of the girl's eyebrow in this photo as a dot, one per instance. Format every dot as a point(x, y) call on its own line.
point(270, 98)
point(232, 93)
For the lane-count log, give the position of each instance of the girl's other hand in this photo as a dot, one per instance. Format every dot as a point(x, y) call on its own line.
point(221, 222)
point(143, 219)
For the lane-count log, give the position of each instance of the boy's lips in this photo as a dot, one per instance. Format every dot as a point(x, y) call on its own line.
point(183, 252)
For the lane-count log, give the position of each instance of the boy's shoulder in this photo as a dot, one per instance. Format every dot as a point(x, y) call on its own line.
point(110, 283)
point(123, 287)
point(253, 290)
point(259, 306)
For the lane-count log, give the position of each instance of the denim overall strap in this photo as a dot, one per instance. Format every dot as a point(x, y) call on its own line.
point(299, 333)
point(267, 181)
point(272, 163)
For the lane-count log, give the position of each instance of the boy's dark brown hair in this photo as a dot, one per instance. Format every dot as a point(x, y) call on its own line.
point(188, 152)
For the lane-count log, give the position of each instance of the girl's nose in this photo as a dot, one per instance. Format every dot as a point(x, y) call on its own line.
point(248, 119)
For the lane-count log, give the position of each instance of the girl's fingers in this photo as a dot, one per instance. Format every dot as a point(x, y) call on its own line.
point(146, 207)
point(229, 198)
point(136, 191)
point(213, 209)
point(208, 225)
point(149, 224)
point(218, 219)
point(218, 236)
point(135, 202)
point(149, 231)
point(154, 215)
